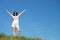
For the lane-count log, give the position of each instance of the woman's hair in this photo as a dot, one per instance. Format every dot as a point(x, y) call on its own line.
point(14, 13)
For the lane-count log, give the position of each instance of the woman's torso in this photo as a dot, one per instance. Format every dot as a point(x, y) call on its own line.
point(15, 20)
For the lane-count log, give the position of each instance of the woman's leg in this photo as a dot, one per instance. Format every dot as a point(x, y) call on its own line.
point(18, 28)
point(14, 31)
point(19, 32)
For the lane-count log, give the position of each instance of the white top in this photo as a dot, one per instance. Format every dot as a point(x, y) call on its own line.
point(15, 18)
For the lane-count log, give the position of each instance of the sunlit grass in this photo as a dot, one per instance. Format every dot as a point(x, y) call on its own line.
point(5, 37)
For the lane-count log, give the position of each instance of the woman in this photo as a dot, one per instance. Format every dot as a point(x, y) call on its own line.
point(15, 23)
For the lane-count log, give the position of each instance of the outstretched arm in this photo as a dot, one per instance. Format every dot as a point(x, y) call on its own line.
point(8, 13)
point(21, 12)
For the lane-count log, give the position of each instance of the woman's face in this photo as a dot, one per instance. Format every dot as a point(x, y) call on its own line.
point(15, 14)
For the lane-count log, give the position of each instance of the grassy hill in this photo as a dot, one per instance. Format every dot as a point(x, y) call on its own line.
point(5, 37)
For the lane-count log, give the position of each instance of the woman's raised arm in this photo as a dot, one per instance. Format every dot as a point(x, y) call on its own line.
point(21, 12)
point(8, 13)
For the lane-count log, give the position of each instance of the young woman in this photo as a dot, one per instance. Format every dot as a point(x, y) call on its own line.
point(15, 23)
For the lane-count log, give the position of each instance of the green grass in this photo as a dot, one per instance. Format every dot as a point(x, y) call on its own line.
point(5, 37)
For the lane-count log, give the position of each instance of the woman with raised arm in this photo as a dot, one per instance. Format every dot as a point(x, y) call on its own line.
point(15, 23)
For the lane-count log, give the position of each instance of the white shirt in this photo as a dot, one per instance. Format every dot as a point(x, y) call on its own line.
point(15, 20)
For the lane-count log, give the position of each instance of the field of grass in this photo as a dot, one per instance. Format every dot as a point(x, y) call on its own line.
point(5, 37)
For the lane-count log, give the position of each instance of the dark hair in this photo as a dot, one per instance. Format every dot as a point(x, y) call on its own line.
point(14, 13)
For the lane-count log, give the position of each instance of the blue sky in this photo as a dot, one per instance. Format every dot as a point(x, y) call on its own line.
point(42, 18)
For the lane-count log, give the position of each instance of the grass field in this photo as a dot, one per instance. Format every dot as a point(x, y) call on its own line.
point(5, 37)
